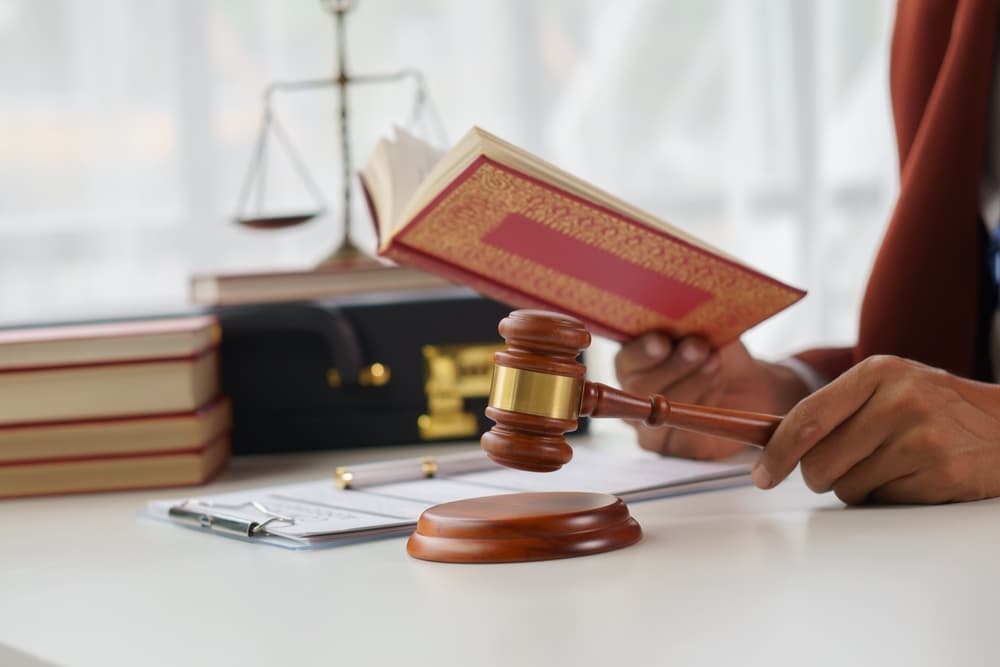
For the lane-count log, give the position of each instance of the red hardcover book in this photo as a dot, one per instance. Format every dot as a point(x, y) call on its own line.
point(347, 278)
point(116, 369)
point(496, 218)
point(107, 342)
point(85, 439)
point(115, 473)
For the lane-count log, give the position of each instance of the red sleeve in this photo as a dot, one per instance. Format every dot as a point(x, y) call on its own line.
point(828, 361)
point(924, 299)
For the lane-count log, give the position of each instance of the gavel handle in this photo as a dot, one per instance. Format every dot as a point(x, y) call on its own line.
point(751, 428)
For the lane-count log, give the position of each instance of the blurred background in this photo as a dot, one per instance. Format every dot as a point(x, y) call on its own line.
point(126, 128)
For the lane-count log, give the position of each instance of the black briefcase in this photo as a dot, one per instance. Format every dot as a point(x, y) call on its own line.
point(382, 370)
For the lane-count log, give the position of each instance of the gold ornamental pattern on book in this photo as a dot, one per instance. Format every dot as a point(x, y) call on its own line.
point(454, 228)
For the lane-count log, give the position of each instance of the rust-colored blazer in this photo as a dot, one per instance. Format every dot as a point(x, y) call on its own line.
point(930, 295)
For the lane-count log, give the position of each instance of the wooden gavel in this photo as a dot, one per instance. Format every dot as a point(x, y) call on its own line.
point(538, 393)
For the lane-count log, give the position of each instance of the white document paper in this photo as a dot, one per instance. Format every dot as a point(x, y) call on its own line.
point(318, 513)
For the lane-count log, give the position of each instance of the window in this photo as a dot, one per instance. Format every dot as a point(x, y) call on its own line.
point(760, 125)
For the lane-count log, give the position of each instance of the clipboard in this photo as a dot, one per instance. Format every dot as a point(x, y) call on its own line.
point(325, 512)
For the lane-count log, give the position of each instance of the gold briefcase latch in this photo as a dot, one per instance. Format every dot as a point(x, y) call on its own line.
point(454, 373)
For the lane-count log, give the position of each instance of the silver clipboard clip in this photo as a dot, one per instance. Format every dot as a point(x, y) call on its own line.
point(226, 523)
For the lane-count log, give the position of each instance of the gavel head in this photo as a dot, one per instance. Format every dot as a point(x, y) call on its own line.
point(536, 392)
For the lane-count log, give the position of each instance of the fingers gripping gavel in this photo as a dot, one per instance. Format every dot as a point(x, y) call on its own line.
point(539, 392)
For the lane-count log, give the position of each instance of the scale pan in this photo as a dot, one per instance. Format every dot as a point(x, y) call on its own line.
point(276, 221)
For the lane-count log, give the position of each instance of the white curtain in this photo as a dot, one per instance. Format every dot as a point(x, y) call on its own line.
point(126, 129)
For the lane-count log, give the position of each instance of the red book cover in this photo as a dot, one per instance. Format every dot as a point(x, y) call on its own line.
point(109, 389)
point(63, 346)
point(344, 278)
point(108, 437)
point(526, 242)
point(146, 470)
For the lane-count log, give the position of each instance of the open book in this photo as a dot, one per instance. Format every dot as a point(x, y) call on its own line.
point(312, 514)
point(492, 216)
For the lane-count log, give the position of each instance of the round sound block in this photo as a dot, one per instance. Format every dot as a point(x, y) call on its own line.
point(522, 527)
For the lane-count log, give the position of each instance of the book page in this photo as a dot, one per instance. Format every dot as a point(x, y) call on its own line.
point(394, 171)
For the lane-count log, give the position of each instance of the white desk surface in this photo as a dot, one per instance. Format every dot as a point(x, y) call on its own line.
point(736, 577)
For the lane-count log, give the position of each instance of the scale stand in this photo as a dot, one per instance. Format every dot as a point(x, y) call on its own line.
point(346, 251)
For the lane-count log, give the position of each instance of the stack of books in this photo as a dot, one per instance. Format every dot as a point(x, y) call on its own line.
point(110, 406)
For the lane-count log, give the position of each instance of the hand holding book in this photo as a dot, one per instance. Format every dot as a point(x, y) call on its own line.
point(690, 371)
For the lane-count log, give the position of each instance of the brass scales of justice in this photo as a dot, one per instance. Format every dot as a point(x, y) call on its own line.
point(252, 210)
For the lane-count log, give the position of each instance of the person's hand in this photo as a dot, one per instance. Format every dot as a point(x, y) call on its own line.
point(688, 371)
point(891, 430)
